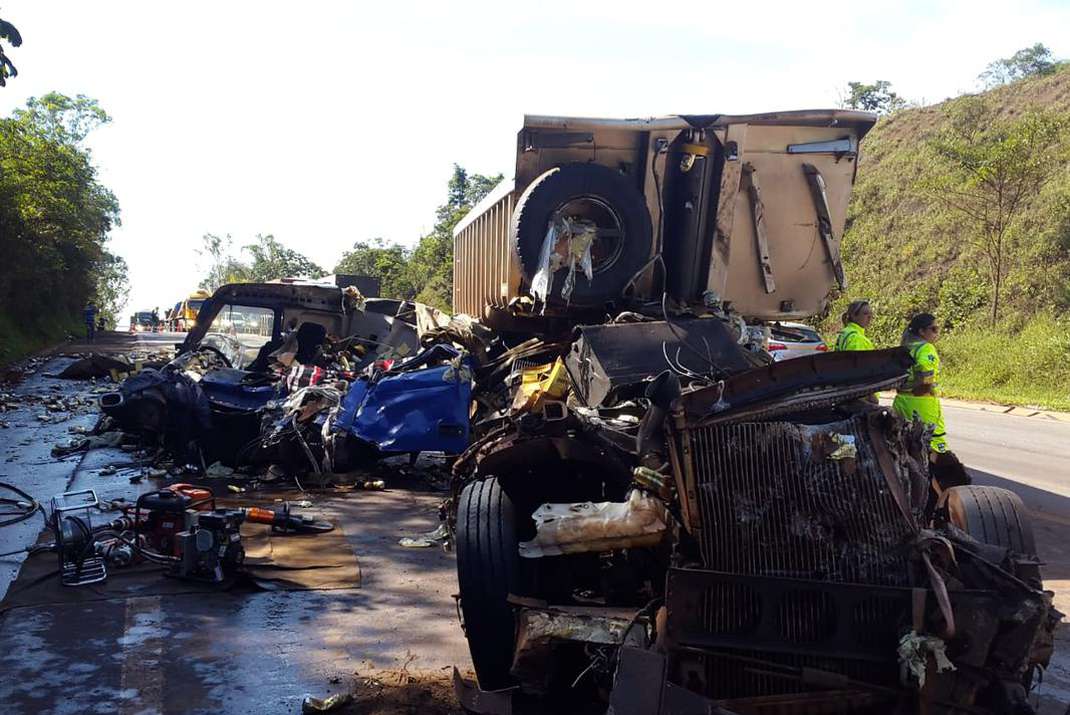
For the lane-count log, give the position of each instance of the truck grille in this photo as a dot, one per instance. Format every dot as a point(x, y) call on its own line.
point(790, 539)
point(773, 503)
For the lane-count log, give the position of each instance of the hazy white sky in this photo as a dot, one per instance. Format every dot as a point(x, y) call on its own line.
point(326, 123)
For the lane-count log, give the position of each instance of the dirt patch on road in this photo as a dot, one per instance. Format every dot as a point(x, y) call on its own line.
point(401, 692)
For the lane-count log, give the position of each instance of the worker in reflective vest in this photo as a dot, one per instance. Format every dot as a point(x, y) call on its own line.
point(855, 320)
point(917, 397)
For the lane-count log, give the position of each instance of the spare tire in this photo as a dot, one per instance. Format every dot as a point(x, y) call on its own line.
point(998, 517)
point(488, 570)
point(601, 195)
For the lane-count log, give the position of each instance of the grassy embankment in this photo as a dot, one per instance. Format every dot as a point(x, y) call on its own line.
point(20, 339)
point(907, 253)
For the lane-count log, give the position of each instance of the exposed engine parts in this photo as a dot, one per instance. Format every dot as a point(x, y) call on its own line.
point(765, 540)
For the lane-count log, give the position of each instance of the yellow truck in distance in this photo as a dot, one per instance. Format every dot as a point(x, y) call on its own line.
point(185, 313)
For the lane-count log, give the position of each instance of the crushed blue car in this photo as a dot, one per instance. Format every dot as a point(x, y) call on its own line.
point(413, 409)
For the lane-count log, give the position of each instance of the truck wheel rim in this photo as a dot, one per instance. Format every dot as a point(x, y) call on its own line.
point(608, 245)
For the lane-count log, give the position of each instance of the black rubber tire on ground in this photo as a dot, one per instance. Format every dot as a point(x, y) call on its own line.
point(488, 570)
point(557, 187)
point(995, 516)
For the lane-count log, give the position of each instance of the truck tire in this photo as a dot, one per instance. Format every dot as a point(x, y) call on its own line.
point(998, 517)
point(488, 570)
point(598, 193)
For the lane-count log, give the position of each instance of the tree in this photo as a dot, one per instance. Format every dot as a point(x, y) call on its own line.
point(9, 33)
point(272, 260)
point(877, 97)
point(987, 170)
point(1027, 62)
point(223, 267)
point(386, 261)
point(61, 118)
point(54, 215)
point(431, 264)
point(113, 286)
point(425, 273)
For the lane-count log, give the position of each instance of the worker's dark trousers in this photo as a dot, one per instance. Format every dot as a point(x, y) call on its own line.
point(90, 331)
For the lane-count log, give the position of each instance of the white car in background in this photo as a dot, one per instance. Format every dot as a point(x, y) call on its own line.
point(792, 340)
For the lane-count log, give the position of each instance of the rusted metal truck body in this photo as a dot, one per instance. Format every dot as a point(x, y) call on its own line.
point(747, 210)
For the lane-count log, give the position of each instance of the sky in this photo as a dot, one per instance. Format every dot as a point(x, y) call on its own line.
point(327, 123)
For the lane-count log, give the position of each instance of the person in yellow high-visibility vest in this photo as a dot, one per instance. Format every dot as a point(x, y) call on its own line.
point(855, 320)
point(918, 396)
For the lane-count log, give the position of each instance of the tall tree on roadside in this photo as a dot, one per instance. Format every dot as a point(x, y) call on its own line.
point(876, 97)
point(987, 170)
point(9, 33)
point(54, 215)
point(1027, 62)
point(425, 273)
point(223, 267)
point(431, 265)
point(113, 286)
point(272, 260)
point(386, 261)
point(63, 119)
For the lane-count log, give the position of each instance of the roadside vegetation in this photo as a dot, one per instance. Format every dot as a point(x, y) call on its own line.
point(54, 222)
point(423, 273)
point(268, 261)
point(962, 209)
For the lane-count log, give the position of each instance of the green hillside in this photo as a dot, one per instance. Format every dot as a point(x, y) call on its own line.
point(911, 244)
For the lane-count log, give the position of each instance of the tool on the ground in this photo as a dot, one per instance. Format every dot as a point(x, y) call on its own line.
point(283, 521)
point(178, 526)
point(160, 515)
point(72, 527)
point(210, 548)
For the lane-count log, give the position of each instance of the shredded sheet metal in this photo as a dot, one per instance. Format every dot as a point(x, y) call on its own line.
point(568, 243)
point(539, 383)
point(596, 526)
point(418, 411)
point(914, 651)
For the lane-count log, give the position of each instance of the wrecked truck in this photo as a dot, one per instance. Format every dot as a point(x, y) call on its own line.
point(666, 521)
point(763, 541)
point(747, 210)
point(239, 319)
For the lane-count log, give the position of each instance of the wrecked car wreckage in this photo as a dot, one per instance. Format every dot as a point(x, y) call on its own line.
point(246, 392)
point(648, 513)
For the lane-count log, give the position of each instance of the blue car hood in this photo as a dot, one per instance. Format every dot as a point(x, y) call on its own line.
point(419, 411)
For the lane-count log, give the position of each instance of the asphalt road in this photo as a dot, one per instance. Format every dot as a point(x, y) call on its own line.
point(1030, 456)
point(257, 652)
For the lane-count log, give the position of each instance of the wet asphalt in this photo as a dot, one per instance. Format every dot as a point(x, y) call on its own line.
point(216, 653)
